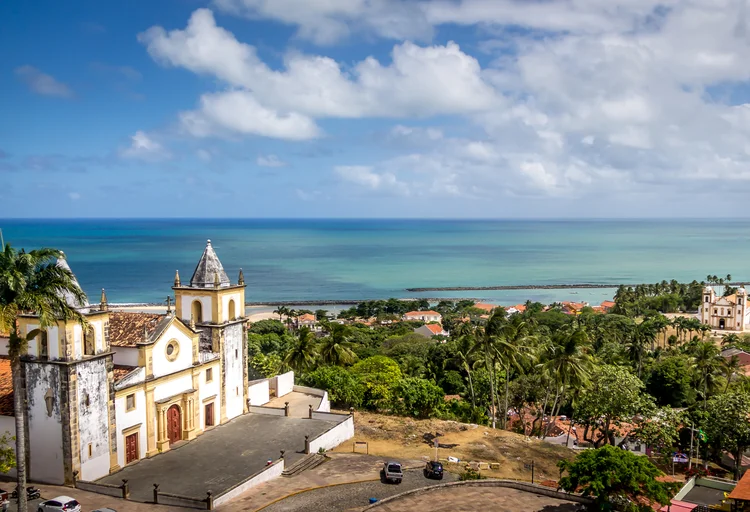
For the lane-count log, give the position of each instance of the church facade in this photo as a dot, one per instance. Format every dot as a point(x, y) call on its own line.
point(128, 386)
point(728, 313)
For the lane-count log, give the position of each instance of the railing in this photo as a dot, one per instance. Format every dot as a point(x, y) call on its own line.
point(272, 411)
point(118, 491)
point(178, 500)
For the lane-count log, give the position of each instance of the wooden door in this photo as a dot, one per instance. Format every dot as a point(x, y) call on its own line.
point(210, 414)
point(131, 448)
point(174, 424)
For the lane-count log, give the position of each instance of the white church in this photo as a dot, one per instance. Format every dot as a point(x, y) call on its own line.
point(729, 313)
point(134, 384)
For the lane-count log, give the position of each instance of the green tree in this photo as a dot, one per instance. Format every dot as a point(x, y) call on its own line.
point(417, 397)
point(668, 381)
point(614, 395)
point(343, 388)
point(380, 375)
point(727, 425)
point(660, 430)
point(336, 349)
point(7, 453)
point(707, 364)
point(616, 479)
point(303, 353)
point(267, 327)
point(33, 281)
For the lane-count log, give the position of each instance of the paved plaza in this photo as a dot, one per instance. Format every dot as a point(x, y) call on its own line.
point(220, 458)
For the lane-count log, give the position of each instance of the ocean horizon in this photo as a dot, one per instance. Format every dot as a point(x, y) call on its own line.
point(356, 259)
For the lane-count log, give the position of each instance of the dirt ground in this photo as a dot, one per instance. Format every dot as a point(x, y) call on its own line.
point(407, 438)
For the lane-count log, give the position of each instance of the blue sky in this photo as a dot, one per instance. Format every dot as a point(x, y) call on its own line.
point(374, 108)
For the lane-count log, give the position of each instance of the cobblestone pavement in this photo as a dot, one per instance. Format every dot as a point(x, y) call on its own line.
point(352, 496)
point(497, 499)
point(341, 468)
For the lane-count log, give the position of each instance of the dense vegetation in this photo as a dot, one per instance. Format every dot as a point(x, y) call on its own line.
point(631, 372)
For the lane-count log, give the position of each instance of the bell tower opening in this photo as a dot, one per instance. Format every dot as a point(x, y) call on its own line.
point(232, 312)
point(197, 312)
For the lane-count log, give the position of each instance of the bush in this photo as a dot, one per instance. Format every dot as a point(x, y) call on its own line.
point(344, 389)
point(380, 375)
point(417, 397)
point(471, 474)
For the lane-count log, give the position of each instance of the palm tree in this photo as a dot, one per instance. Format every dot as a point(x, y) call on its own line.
point(643, 335)
point(303, 353)
point(336, 349)
point(281, 311)
point(486, 347)
point(32, 282)
point(730, 339)
point(706, 361)
point(730, 367)
point(465, 336)
point(511, 346)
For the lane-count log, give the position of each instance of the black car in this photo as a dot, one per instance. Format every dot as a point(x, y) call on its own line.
point(434, 470)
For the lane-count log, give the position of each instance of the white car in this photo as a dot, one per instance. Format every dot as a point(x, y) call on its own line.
point(61, 503)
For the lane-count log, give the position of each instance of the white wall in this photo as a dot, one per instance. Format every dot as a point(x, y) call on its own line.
point(77, 341)
point(127, 356)
point(8, 424)
point(238, 306)
point(53, 342)
point(325, 404)
point(208, 389)
point(187, 308)
point(93, 419)
point(31, 350)
point(333, 437)
point(169, 389)
point(283, 384)
point(235, 349)
point(4, 346)
point(269, 473)
point(45, 432)
point(162, 365)
point(125, 420)
point(257, 392)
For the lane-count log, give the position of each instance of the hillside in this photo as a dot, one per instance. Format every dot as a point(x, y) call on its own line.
point(406, 438)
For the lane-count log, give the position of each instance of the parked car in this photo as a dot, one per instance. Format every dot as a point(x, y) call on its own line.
point(392, 472)
point(433, 469)
point(61, 503)
point(4, 501)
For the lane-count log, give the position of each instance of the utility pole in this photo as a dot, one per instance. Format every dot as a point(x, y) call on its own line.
point(436, 447)
point(690, 459)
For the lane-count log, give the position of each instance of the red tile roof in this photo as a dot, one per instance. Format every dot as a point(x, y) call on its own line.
point(421, 313)
point(126, 329)
point(484, 306)
point(6, 388)
point(742, 491)
point(307, 317)
point(518, 307)
point(122, 370)
point(607, 304)
point(435, 328)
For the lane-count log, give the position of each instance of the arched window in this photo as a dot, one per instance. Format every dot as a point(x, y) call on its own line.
point(232, 313)
point(89, 342)
point(43, 345)
point(197, 312)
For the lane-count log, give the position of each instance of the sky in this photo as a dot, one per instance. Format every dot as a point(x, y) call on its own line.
point(375, 108)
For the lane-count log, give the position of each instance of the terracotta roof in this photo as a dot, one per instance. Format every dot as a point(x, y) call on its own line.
point(435, 328)
point(127, 329)
point(742, 356)
point(122, 370)
point(742, 491)
point(307, 317)
point(6, 388)
point(484, 306)
point(421, 313)
point(518, 307)
point(607, 304)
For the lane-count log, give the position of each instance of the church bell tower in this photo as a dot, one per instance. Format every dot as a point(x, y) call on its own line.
point(215, 308)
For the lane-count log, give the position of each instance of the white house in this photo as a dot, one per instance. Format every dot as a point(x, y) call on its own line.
point(424, 316)
point(725, 313)
point(134, 384)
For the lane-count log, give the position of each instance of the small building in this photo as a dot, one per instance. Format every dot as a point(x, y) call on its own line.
point(424, 316)
point(728, 313)
point(308, 320)
point(487, 308)
point(430, 330)
point(607, 305)
point(518, 308)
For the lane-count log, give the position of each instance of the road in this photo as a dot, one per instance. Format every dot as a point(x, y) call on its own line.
point(352, 496)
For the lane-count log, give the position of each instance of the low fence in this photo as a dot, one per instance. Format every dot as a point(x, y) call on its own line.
point(328, 416)
point(271, 411)
point(178, 500)
point(258, 392)
point(510, 484)
point(264, 475)
point(324, 405)
point(118, 491)
point(332, 437)
point(282, 384)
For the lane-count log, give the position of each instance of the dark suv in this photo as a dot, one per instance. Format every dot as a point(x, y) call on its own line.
point(433, 470)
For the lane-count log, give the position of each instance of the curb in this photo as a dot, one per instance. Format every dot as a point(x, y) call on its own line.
point(324, 486)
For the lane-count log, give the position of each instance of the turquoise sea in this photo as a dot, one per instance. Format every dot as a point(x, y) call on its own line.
point(288, 260)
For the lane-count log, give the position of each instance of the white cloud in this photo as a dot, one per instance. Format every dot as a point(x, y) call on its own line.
point(420, 81)
point(365, 176)
point(270, 161)
point(327, 21)
point(42, 83)
point(74, 196)
point(204, 155)
point(143, 147)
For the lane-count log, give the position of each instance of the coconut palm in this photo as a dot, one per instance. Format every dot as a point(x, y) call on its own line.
point(465, 338)
point(486, 349)
point(281, 311)
point(336, 349)
point(304, 351)
point(32, 282)
point(707, 363)
point(643, 335)
point(730, 367)
point(513, 344)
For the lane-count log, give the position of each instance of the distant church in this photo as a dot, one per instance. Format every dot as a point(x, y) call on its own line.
point(134, 384)
point(728, 313)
